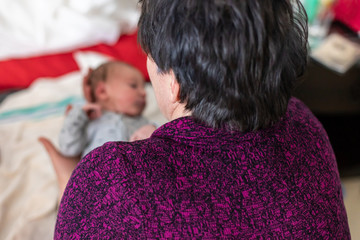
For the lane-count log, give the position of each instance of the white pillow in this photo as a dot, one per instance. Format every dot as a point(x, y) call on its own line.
point(38, 27)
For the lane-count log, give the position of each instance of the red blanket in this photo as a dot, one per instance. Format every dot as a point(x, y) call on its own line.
point(20, 73)
point(348, 12)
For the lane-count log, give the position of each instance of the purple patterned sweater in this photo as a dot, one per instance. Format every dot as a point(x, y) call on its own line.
point(189, 181)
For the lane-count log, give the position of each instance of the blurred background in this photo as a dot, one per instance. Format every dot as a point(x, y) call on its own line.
point(331, 88)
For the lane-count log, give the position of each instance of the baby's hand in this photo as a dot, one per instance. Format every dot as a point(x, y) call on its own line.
point(92, 110)
point(86, 87)
point(143, 132)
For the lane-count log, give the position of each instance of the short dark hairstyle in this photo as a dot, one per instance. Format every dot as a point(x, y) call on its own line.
point(236, 61)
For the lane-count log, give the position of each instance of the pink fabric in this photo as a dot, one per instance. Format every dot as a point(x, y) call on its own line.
point(348, 12)
point(189, 181)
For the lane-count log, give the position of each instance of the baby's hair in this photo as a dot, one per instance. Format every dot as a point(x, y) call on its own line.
point(100, 74)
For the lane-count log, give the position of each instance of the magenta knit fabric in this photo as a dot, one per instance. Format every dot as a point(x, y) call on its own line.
point(189, 181)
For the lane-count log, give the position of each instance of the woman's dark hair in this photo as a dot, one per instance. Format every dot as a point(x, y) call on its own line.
point(236, 61)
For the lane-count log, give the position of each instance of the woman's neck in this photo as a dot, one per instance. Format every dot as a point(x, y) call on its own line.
point(179, 111)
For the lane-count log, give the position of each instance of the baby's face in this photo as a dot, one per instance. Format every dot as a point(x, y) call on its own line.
point(126, 90)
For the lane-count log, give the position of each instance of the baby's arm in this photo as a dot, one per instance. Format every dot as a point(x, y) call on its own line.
point(143, 132)
point(72, 138)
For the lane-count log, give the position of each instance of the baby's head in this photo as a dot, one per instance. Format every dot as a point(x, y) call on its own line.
point(118, 87)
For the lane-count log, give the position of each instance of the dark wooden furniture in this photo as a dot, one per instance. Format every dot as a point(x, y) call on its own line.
point(335, 100)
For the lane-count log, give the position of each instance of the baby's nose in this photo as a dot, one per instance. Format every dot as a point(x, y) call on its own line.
point(142, 92)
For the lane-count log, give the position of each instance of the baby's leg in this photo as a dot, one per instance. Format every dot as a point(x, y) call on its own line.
point(63, 165)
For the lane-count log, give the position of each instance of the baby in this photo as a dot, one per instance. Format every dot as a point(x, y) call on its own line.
point(115, 99)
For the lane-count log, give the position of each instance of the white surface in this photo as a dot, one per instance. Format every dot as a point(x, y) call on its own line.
point(36, 27)
point(352, 204)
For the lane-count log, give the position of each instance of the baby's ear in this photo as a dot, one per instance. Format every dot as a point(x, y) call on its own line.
point(100, 91)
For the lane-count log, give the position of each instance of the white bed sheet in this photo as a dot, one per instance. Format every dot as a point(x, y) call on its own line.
point(38, 27)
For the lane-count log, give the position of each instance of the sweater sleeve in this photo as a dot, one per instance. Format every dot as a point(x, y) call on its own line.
point(72, 137)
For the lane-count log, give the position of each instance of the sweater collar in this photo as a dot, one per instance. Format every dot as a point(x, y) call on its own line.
point(189, 131)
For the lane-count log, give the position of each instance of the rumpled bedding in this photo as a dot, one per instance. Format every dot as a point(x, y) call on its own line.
point(28, 188)
point(38, 27)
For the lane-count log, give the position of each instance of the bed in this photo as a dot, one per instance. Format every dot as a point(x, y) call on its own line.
point(38, 86)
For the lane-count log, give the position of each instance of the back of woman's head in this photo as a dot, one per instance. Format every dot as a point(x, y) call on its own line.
point(236, 60)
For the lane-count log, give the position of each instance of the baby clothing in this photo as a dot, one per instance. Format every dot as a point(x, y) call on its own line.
point(79, 135)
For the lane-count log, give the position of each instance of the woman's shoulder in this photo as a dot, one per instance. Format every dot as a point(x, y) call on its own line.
point(121, 156)
point(297, 105)
point(113, 151)
point(302, 116)
point(105, 165)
